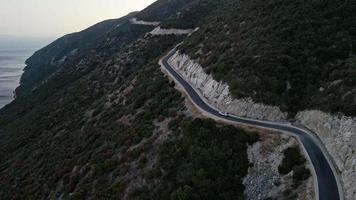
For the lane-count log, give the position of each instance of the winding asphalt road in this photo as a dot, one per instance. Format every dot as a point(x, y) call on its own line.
point(326, 181)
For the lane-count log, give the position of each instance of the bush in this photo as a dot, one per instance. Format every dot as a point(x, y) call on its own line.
point(292, 158)
point(300, 173)
point(294, 161)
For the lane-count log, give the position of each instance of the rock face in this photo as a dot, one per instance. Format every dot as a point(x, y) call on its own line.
point(161, 31)
point(263, 180)
point(218, 93)
point(338, 136)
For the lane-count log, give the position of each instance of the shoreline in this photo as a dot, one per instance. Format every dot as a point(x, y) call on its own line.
point(12, 63)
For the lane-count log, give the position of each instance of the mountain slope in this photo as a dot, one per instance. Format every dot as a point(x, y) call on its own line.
point(94, 118)
point(47, 60)
point(295, 55)
point(283, 61)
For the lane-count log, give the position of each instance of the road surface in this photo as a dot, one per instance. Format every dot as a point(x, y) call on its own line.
point(326, 180)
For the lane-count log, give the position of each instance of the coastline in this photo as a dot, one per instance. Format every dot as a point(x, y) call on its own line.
point(12, 63)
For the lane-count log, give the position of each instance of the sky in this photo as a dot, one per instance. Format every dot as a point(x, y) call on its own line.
point(54, 18)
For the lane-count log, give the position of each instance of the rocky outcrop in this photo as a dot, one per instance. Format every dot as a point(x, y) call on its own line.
point(263, 180)
point(218, 93)
point(338, 136)
point(162, 31)
point(60, 61)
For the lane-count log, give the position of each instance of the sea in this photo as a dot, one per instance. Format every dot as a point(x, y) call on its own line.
point(14, 51)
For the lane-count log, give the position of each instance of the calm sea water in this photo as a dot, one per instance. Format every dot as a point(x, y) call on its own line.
point(11, 66)
point(13, 53)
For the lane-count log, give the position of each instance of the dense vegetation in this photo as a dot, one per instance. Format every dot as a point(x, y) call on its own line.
point(105, 123)
point(68, 125)
point(83, 147)
point(294, 161)
point(294, 54)
point(95, 118)
point(162, 9)
point(204, 162)
point(180, 13)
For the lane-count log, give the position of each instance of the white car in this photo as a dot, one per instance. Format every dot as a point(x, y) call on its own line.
point(223, 113)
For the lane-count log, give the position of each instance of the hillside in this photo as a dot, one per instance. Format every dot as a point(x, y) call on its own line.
point(293, 54)
point(95, 117)
point(47, 60)
point(282, 61)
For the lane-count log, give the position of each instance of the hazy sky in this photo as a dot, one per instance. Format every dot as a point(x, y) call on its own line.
point(53, 18)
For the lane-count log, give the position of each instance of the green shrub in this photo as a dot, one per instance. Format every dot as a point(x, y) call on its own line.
point(300, 173)
point(294, 161)
point(292, 158)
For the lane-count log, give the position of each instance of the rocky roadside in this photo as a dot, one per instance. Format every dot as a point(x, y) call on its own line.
point(337, 133)
point(263, 180)
point(218, 93)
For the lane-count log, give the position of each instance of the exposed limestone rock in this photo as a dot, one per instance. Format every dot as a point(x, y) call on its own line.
point(161, 31)
point(218, 93)
point(263, 180)
point(339, 138)
point(140, 22)
point(58, 62)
